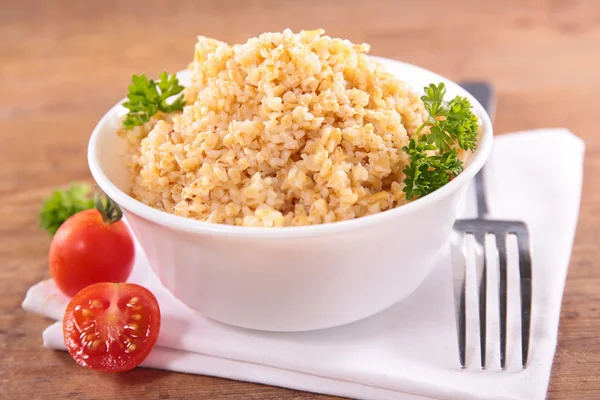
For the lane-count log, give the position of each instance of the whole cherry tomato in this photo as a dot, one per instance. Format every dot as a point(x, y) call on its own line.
point(91, 246)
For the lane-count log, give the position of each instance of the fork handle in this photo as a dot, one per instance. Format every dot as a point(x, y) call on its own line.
point(484, 93)
point(482, 207)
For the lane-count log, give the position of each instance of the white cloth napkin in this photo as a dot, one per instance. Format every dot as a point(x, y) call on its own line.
point(408, 351)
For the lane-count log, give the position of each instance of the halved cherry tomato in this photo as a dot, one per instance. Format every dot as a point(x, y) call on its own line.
point(89, 249)
point(111, 326)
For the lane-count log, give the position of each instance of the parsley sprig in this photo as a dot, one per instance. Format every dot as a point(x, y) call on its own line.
point(147, 97)
point(64, 203)
point(433, 157)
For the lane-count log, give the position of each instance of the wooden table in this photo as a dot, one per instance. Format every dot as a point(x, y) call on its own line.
point(63, 63)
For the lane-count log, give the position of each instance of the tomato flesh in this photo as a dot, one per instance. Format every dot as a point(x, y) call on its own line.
point(85, 251)
point(111, 326)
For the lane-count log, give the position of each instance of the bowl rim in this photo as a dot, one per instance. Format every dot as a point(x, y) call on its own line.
point(189, 225)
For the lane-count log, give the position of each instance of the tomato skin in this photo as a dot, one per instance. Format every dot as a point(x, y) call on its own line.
point(111, 327)
point(85, 251)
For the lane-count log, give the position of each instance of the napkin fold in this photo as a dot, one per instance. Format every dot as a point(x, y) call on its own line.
point(408, 351)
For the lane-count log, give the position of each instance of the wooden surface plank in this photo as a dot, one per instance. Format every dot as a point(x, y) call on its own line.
point(63, 63)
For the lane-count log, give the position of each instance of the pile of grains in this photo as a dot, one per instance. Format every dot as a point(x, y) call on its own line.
point(284, 130)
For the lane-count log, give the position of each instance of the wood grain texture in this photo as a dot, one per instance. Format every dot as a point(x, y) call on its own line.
point(63, 63)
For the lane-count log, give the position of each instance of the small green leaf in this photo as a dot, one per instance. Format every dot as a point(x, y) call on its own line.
point(147, 97)
point(439, 137)
point(63, 203)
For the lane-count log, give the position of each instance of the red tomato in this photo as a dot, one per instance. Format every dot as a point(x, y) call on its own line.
point(85, 250)
point(111, 326)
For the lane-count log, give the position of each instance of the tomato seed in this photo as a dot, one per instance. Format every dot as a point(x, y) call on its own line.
point(89, 327)
point(131, 326)
point(137, 317)
point(96, 304)
point(125, 341)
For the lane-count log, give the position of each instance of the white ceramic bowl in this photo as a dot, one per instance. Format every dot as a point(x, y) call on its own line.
point(292, 278)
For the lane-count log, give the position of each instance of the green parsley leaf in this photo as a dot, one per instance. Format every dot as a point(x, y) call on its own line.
point(147, 97)
point(63, 203)
point(433, 157)
point(462, 124)
point(439, 137)
point(425, 174)
point(434, 100)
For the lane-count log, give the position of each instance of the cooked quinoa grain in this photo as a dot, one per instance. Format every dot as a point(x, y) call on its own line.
point(286, 129)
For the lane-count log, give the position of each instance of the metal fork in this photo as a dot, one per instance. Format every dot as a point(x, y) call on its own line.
point(480, 228)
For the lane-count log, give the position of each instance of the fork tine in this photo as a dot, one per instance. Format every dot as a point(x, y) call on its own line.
point(502, 293)
point(459, 271)
point(524, 245)
point(482, 289)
